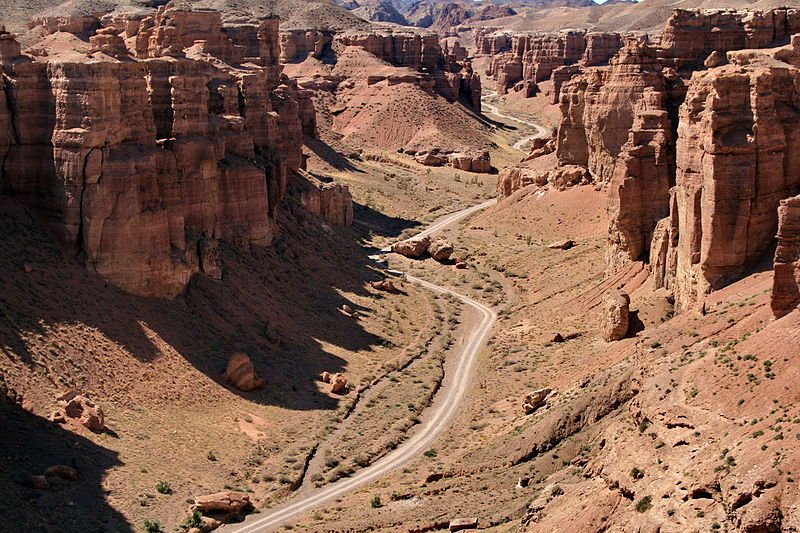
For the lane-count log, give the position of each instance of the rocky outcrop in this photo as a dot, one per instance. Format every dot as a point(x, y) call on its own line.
point(297, 45)
point(444, 66)
point(737, 140)
point(534, 57)
point(133, 163)
point(241, 373)
point(536, 399)
point(786, 280)
point(413, 248)
point(223, 506)
point(329, 200)
point(79, 408)
point(490, 42)
point(616, 315)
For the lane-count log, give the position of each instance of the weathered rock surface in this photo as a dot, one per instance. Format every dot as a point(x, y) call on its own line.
point(223, 507)
point(737, 139)
point(132, 162)
point(536, 399)
point(786, 281)
point(440, 249)
point(460, 524)
point(75, 406)
point(616, 315)
point(338, 384)
point(241, 373)
point(413, 248)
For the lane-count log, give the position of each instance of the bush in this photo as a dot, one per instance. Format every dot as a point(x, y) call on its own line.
point(163, 487)
point(644, 504)
point(430, 453)
point(376, 502)
point(152, 526)
point(194, 520)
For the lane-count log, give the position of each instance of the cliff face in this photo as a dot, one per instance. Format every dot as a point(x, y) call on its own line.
point(444, 66)
point(137, 164)
point(786, 281)
point(727, 156)
point(533, 58)
point(736, 159)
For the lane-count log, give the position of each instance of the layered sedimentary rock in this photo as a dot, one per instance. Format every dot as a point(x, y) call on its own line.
point(138, 164)
point(534, 57)
point(444, 65)
point(786, 280)
point(298, 45)
point(737, 154)
point(489, 42)
point(620, 123)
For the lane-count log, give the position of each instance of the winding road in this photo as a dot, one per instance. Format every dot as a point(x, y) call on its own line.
point(435, 420)
point(541, 131)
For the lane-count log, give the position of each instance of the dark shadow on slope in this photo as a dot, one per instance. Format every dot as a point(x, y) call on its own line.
point(278, 304)
point(369, 222)
point(329, 155)
point(29, 445)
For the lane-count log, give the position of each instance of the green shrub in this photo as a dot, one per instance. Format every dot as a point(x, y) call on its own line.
point(644, 504)
point(376, 502)
point(163, 487)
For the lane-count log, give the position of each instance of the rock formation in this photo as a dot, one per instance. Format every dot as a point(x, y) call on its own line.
point(616, 315)
point(75, 406)
point(786, 281)
point(627, 126)
point(440, 249)
point(536, 399)
point(241, 373)
point(413, 248)
point(737, 143)
point(135, 163)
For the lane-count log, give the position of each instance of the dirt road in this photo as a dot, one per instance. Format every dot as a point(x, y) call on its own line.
point(436, 419)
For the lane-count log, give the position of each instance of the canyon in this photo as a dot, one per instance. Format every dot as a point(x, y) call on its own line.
point(393, 266)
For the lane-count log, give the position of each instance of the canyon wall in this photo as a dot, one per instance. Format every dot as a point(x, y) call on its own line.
point(532, 58)
point(138, 164)
point(693, 181)
point(443, 65)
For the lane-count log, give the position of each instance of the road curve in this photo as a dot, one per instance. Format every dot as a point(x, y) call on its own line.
point(436, 418)
point(541, 131)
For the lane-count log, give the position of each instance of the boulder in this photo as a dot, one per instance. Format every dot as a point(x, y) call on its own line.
point(413, 248)
point(460, 265)
point(440, 249)
point(241, 373)
point(562, 245)
point(39, 482)
point(616, 315)
point(338, 384)
point(385, 285)
point(75, 406)
point(716, 59)
point(326, 377)
point(65, 472)
point(459, 524)
point(536, 399)
point(223, 506)
point(431, 159)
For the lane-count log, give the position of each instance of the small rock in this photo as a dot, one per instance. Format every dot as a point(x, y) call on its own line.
point(535, 399)
point(78, 407)
point(39, 482)
point(523, 482)
point(459, 524)
point(338, 384)
point(557, 338)
point(27, 267)
point(326, 377)
point(241, 373)
point(562, 245)
point(63, 471)
point(346, 309)
point(385, 285)
point(461, 265)
point(434, 477)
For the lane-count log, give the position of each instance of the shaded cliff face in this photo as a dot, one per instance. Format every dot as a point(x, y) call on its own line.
point(136, 164)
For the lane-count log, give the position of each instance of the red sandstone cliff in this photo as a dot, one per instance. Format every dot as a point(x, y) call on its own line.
point(786, 282)
point(136, 163)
